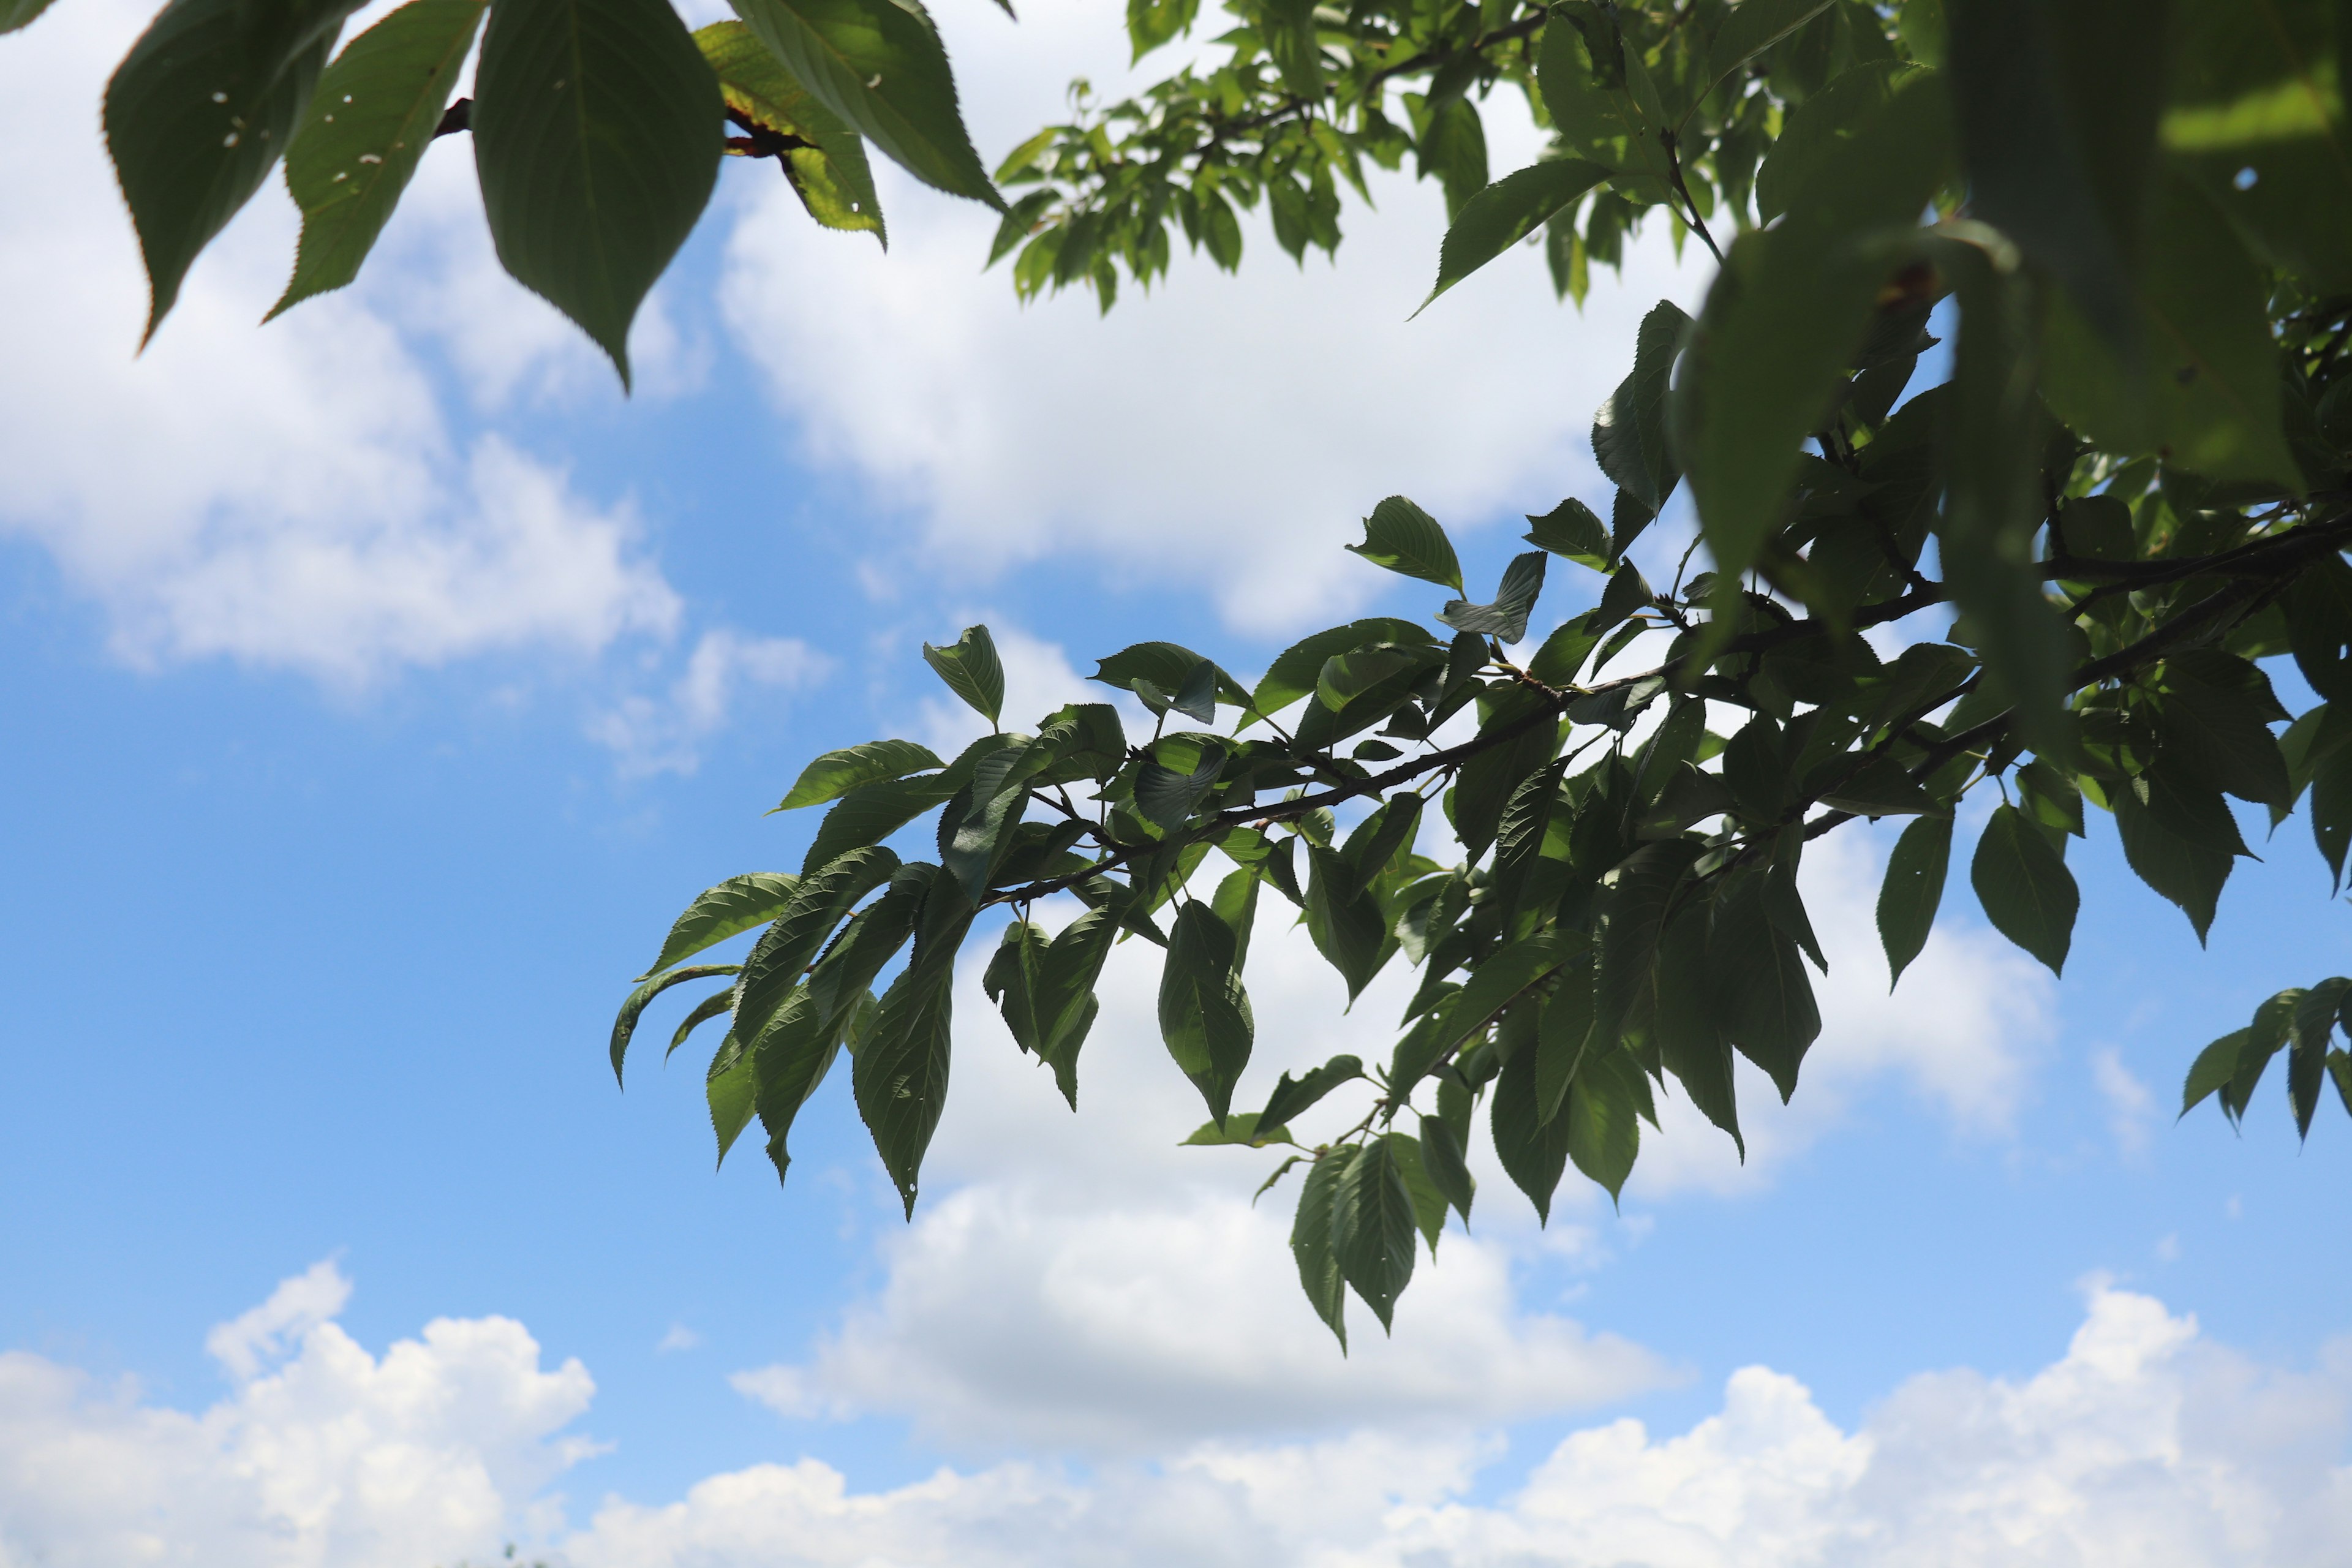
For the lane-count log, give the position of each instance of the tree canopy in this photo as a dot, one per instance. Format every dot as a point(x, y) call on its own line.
point(2121, 510)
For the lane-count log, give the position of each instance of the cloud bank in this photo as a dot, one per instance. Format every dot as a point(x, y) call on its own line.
point(2144, 1443)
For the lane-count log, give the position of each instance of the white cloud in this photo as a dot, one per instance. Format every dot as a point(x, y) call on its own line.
point(679, 1338)
point(289, 496)
point(1218, 419)
point(664, 734)
point(294, 1309)
point(2144, 1443)
point(2131, 1104)
point(323, 1456)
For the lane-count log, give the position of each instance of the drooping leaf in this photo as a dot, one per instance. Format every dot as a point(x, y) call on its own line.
point(731, 1090)
point(879, 65)
point(1629, 432)
point(2027, 891)
point(1448, 1167)
point(1401, 537)
point(2180, 838)
point(15, 14)
point(717, 1004)
point(1310, 1242)
point(1913, 891)
point(900, 1078)
point(597, 136)
point(786, 949)
point(1602, 1118)
point(1534, 1152)
point(197, 112)
point(1373, 1224)
point(625, 1025)
point(1167, 797)
point(369, 122)
point(970, 665)
point(871, 813)
point(1351, 932)
point(1204, 1011)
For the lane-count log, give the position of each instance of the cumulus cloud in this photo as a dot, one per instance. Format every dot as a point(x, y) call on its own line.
point(321, 1455)
point(2144, 1443)
point(288, 497)
point(1220, 418)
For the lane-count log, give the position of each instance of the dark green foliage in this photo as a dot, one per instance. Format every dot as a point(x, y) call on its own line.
point(2101, 535)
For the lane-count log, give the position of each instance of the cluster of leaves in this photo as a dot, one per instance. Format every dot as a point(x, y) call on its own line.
point(597, 125)
point(1665, 107)
point(2129, 494)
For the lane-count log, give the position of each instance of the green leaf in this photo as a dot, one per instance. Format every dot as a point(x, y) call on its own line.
point(1534, 1152)
point(793, 1052)
point(1351, 932)
point(731, 1089)
point(2057, 109)
point(1376, 842)
point(2213, 719)
point(900, 1078)
point(1293, 1096)
point(1449, 1169)
point(1686, 1026)
point(597, 134)
point(871, 813)
point(1763, 999)
point(1373, 1224)
point(1914, 888)
point(2215, 1066)
point(1167, 666)
point(1401, 537)
point(626, 1024)
point(839, 982)
point(1629, 431)
point(1487, 780)
point(829, 172)
point(199, 111)
point(1765, 361)
point(716, 1004)
point(1288, 31)
point(1152, 23)
point(373, 116)
point(835, 774)
point(1294, 672)
point(787, 949)
point(736, 904)
point(2331, 809)
point(2027, 891)
point(2312, 1030)
point(1244, 1129)
point(2319, 625)
point(1602, 1119)
point(879, 65)
point(1204, 1013)
point(1506, 213)
point(1167, 798)
point(2180, 839)
point(1506, 619)
point(1310, 1242)
point(15, 14)
point(1754, 25)
point(970, 666)
point(1572, 531)
point(1563, 1037)
point(2207, 393)
point(1429, 1200)
point(1881, 788)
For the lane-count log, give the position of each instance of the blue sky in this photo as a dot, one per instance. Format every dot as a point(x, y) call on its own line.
point(384, 682)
